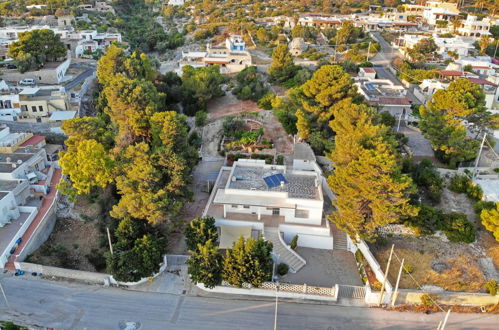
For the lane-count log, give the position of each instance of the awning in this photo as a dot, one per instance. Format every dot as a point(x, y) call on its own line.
point(230, 234)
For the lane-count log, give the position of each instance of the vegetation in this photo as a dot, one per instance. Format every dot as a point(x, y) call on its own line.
point(282, 68)
point(442, 120)
point(139, 151)
point(294, 242)
point(199, 85)
point(428, 180)
point(248, 261)
point(205, 265)
point(282, 269)
point(423, 51)
point(199, 231)
point(490, 220)
point(250, 85)
point(35, 48)
point(491, 286)
point(463, 184)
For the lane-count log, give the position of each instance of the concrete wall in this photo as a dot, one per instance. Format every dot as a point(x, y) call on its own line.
point(89, 277)
point(27, 209)
point(449, 298)
point(41, 233)
point(362, 246)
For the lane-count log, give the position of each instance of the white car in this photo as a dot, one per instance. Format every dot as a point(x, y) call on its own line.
point(27, 82)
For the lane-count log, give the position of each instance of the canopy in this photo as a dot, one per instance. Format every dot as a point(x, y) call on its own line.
point(230, 234)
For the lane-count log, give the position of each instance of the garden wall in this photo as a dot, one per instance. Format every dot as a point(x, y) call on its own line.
point(449, 298)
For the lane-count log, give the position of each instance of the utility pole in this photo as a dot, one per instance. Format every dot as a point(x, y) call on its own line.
point(479, 154)
point(495, 51)
point(109, 239)
point(368, 49)
point(276, 303)
point(441, 325)
point(386, 274)
point(395, 293)
point(4, 296)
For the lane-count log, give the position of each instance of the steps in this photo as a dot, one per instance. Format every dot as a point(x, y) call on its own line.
point(339, 238)
point(285, 254)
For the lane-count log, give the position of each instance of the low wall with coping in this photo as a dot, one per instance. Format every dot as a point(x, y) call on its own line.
point(80, 275)
point(448, 298)
point(268, 289)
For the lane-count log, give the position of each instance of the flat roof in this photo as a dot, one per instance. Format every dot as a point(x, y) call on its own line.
point(8, 185)
point(29, 91)
point(490, 189)
point(62, 115)
point(251, 178)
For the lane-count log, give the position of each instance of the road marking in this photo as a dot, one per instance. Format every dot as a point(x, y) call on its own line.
point(177, 310)
point(243, 309)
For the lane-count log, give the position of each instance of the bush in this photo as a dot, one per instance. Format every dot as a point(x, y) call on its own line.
point(280, 160)
point(200, 118)
point(483, 205)
point(97, 259)
point(265, 102)
point(426, 222)
point(426, 176)
point(428, 300)
point(457, 228)
point(294, 242)
point(408, 268)
point(491, 286)
point(282, 269)
point(463, 184)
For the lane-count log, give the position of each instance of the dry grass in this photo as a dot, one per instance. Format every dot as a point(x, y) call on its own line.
point(493, 252)
point(463, 273)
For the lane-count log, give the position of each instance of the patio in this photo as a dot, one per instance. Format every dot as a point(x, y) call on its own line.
point(325, 268)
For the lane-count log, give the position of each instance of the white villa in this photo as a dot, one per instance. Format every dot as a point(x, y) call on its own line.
point(252, 198)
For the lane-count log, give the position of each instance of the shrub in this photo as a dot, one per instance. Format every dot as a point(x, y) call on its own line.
point(408, 268)
point(200, 118)
point(457, 228)
point(426, 222)
point(280, 160)
point(97, 259)
point(426, 176)
point(428, 300)
point(491, 286)
point(459, 183)
point(282, 269)
point(294, 242)
point(483, 205)
point(265, 102)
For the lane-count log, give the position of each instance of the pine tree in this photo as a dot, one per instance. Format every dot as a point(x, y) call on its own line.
point(205, 265)
point(302, 124)
point(199, 231)
point(248, 262)
point(283, 67)
point(490, 220)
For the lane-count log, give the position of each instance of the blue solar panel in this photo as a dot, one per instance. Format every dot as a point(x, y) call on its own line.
point(274, 180)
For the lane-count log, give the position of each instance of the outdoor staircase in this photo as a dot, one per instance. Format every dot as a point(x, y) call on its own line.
point(339, 238)
point(282, 251)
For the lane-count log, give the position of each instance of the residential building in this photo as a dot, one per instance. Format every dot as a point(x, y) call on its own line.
point(461, 46)
point(176, 2)
point(232, 57)
point(369, 73)
point(297, 46)
point(279, 202)
point(472, 27)
point(9, 103)
point(37, 104)
point(440, 11)
point(385, 95)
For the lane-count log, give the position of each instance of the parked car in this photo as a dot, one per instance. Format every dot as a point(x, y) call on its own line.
point(11, 66)
point(27, 82)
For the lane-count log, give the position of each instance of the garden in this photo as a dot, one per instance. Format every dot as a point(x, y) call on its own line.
point(244, 134)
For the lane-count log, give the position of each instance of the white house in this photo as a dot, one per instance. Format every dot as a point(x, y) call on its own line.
point(252, 198)
point(176, 2)
point(459, 45)
point(436, 11)
point(472, 27)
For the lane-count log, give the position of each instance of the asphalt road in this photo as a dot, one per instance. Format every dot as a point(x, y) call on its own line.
point(79, 79)
point(41, 303)
point(387, 53)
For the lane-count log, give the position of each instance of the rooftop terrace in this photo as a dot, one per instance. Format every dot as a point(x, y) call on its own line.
point(251, 178)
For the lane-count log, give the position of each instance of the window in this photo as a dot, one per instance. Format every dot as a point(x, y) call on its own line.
point(24, 108)
point(1, 104)
point(301, 214)
point(234, 206)
point(33, 108)
point(275, 211)
point(246, 206)
point(7, 104)
point(40, 108)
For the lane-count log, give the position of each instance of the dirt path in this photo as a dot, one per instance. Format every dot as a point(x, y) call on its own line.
point(229, 105)
point(283, 142)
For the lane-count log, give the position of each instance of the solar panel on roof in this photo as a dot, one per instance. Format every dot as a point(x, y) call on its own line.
point(274, 180)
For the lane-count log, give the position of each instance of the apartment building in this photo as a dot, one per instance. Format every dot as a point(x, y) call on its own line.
point(472, 27)
point(37, 104)
point(440, 11)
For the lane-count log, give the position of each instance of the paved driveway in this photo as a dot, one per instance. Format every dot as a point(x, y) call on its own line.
point(420, 146)
point(326, 268)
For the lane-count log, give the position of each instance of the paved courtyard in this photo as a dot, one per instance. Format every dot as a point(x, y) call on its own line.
point(326, 268)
